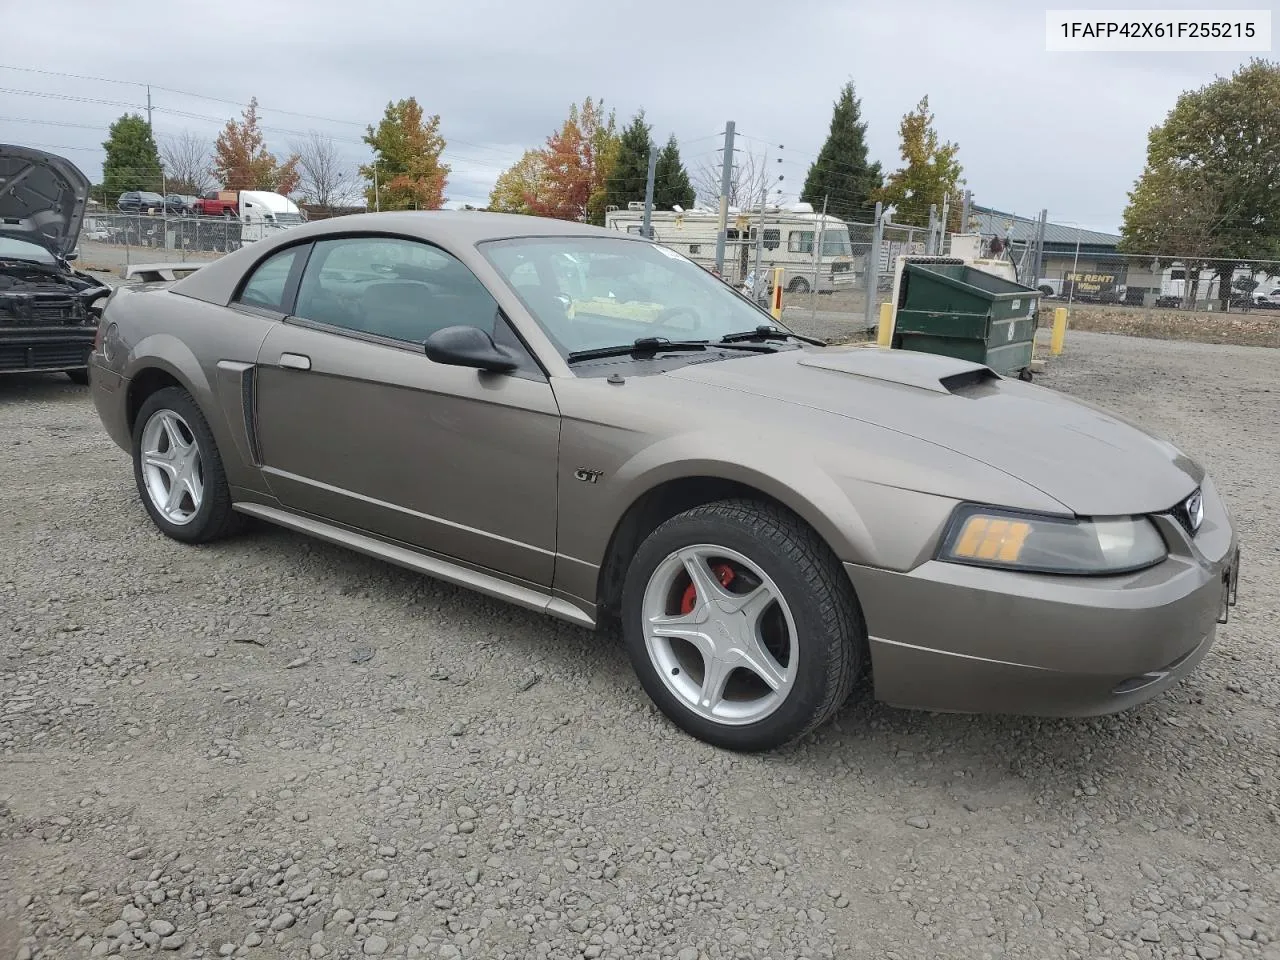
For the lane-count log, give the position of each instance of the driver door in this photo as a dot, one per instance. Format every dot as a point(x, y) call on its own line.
point(357, 426)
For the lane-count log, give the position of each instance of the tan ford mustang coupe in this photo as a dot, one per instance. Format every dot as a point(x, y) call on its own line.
point(592, 426)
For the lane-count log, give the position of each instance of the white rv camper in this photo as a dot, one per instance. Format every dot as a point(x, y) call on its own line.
point(787, 241)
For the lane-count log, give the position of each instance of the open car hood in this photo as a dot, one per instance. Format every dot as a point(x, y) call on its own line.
point(42, 198)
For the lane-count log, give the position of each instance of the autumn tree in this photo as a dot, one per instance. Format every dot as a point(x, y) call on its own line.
point(577, 162)
point(519, 187)
point(930, 172)
point(323, 176)
point(186, 160)
point(241, 159)
point(842, 172)
point(1210, 189)
point(671, 185)
point(630, 172)
point(407, 169)
point(132, 161)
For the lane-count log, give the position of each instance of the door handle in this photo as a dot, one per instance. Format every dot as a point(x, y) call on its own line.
point(295, 361)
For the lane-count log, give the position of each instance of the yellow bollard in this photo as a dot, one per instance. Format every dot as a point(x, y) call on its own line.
point(776, 308)
point(1059, 330)
point(884, 336)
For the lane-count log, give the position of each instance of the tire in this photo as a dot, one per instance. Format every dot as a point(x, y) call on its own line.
point(211, 518)
point(808, 607)
point(1025, 374)
point(798, 285)
point(79, 377)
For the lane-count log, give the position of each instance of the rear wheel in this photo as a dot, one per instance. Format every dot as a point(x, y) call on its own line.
point(798, 285)
point(179, 471)
point(741, 625)
point(80, 377)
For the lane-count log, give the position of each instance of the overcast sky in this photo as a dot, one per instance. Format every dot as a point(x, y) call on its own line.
point(1060, 131)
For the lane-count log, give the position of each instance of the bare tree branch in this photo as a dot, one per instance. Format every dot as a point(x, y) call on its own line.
point(186, 158)
point(325, 176)
point(745, 183)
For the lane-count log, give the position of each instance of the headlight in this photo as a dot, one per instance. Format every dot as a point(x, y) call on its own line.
point(1017, 541)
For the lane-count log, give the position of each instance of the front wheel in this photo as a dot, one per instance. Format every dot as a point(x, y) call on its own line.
point(742, 625)
point(78, 377)
point(179, 471)
point(798, 285)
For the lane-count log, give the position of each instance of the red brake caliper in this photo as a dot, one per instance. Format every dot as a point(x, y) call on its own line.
point(723, 572)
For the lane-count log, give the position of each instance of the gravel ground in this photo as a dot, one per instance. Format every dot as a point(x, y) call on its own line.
point(272, 747)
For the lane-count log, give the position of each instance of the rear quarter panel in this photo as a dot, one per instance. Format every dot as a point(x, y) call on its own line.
point(188, 339)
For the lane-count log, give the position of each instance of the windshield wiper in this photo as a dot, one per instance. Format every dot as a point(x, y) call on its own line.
point(651, 345)
point(768, 332)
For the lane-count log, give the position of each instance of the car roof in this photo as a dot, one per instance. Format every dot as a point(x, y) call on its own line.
point(453, 230)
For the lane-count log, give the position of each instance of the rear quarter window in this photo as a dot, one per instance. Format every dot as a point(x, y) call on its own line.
point(265, 288)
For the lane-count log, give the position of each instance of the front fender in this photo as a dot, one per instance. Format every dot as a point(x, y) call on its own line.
point(785, 476)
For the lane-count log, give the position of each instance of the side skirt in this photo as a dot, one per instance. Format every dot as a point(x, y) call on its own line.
point(487, 584)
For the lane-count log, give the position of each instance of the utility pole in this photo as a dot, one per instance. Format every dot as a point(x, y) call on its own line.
point(1039, 260)
point(726, 177)
point(148, 108)
point(942, 227)
point(873, 267)
point(764, 196)
point(964, 211)
point(647, 229)
point(377, 200)
point(931, 244)
point(817, 250)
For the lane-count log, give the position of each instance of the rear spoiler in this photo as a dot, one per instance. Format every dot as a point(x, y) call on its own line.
point(159, 272)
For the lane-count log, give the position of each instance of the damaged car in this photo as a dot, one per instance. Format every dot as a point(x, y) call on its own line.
point(588, 424)
point(49, 311)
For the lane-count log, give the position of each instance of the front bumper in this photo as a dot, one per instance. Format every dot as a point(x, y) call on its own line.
point(964, 639)
point(38, 351)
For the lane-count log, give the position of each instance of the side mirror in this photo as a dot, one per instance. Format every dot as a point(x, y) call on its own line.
point(468, 347)
point(73, 255)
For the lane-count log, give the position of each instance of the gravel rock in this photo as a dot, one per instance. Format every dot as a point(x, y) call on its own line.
point(449, 815)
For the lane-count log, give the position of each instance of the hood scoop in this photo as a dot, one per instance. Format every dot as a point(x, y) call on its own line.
point(924, 371)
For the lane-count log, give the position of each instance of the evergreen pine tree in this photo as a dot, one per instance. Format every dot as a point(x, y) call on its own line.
point(841, 173)
point(671, 185)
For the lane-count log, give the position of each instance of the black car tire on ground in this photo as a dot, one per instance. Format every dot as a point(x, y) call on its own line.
point(830, 634)
point(215, 518)
point(79, 377)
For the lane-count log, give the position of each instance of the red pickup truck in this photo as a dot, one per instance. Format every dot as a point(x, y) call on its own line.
point(218, 203)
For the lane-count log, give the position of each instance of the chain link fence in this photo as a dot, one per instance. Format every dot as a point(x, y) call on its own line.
point(1167, 282)
point(176, 233)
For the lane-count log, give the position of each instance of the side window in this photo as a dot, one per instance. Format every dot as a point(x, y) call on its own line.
point(267, 283)
point(400, 289)
point(771, 239)
point(800, 241)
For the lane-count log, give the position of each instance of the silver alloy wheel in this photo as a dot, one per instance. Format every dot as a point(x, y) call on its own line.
point(732, 658)
point(171, 467)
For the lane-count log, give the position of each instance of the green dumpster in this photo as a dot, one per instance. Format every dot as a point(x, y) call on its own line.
point(950, 308)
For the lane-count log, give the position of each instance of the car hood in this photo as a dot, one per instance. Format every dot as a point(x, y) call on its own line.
point(42, 198)
point(1091, 461)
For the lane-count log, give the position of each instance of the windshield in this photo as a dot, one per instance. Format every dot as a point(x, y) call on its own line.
point(594, 292)
point(835, 243)
point(13, 249)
